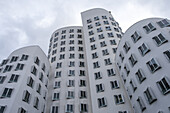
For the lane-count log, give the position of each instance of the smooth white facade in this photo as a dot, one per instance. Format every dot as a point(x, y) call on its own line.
point(144, 65)
point(17, 81)
point(101, 37)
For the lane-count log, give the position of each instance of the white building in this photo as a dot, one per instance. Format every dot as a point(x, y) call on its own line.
point(23, 81)
point(143, 59)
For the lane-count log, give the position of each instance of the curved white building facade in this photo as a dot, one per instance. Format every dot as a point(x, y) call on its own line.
point(24, 81)
point(143, 59)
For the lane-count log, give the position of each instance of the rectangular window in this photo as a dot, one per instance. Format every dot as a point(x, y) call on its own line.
point(34, 70)
point(143, 49)
point(101, 36)
point(30, 82)
point(99, 29)
point(102, 102)
point(133, 85)
point(108, 28)
point(121, 56)
point(89, 21)
point(58, 74)
point(62, 49)
point(126, 47)
point(38, 88)
point(56, 96)
point(62, 43)
point(7, 93)
point(71, 42)
point(103, 44)
point(83, 108)
point(2, 109)
point(63, 32)
point(116, 29)
point(135, 37)
point(106, 22)
point(80, 49)
point(71, 31)
point(82, 64)
point(99, 88)
point(80, 42)
point(7, 68)
point(14, 59)
point(36, 60)
point(24, 57)
point(111, 72)
point(153, 65)
point(114, 50)
point(107, 61)
point(70, 83)
point(141, 103)
point(4, 62)
point(83, 94)
point(96, 18)
point(113, 42)
point(54, 109)
point(93, 47)
point(132, 60)
point(19, 67)
point(79, 36)
point(91, 33)
point(163, 23)
point(70, 94)
point(36, 102)
point(71, 73)
point(119, 99)
point(26, 96)
point(82, 73)
point(140, 76)
point(96, 65)
point(164, 85)
point(82, 83)
point(110, 34)
point(69, 108)
point(126, 67)
point(98, 75)
point(72, 56)
point(94, 55)
point(167, 54)
point(81, 56)
point(160, 39)
point(71, 49)
point(105, 52)
point(149, 95)
point(41, 76)
point(104, 17)
point(43, 67)
point(14, 78)
point(71, 64)
point(92, 39)
point(57, 84)
point(2, 79)
point(90, 26)
point(97, 24)
point(114, 84)
point(20, 110)
point(62, 56)
point(149, 28)
point(59, 65)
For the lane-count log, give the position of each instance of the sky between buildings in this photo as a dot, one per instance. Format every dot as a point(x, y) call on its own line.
point(31, 22)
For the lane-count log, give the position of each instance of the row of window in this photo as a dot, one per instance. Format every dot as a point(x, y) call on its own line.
point(8, 68)
point(70, 73)
point(14, 78)
point(20, 110)
point(71, 64)
point(97, 18)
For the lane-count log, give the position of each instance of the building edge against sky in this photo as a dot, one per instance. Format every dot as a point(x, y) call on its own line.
point(83, 74)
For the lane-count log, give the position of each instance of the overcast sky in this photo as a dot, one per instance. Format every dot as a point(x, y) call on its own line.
point(31, 22)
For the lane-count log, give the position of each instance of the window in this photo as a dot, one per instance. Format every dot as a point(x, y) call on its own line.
point(72, 56)
point(71, 42)
point(132, 60)
point(38, 88)
point(71, 83)
point(104, 17)
point(34, 70)
point(71, 31)
point(80, 49)
point(99, 88)
point(30, 82)
point(114, 84)
point(69, 108)
point(71, 73)
point(43, 67)
point(70, 94)
point(163, 23)
point(92, 39)
point(101, 36)
point(26, 96)
point(56, 39)
point(14, 59)
point(122, 111)
point(21, 110)
point(57, 84)
point(133, 85)
point(113, 42)
point(89, 21)
point(105, 52)
point(135, 37)
point(119, 99)
point(36, 60)
point(41, 76)
point(62, 43)
point(103, 44)
point(99, 29)
point(143, 49)
point(149, 28)
point(62, 56)
point(63, 32)
point(107, 61)
point(167, 54)
point(59, 65)
point(110, 34)
point(140, 76)
point(53, 59)
point(108, 28)
point(2, 109)
point(121, 56)
point(93, 47)
point(97, 24)
point(116, 29)
point(110, 72)
point(164, 85)
point(81, 56)
point(24, 57)
point(153, 65)
point(54, 109)
point(4, 62)
point(81, 64)
point(96, 18)
point(149, 95)
point(14, 78)
point(7, 93)
point(2, 79)
point(83, 94)
point(126, 67)
point(119, 35)
point(160, 39)
point(36, 102)
point(82, 83)
point(98, 75)
point(71, 49)
point(126, 47)
point(91, 33)
point(83, 108)
point(102, 102)
point(7, 68)
point(94, 55)
point(114, 24)
point(19, 67)
point(111, 18)
point(62, 49)
point(90, 26)
point(96, 65)
point(82, 73)
point(71, 64)
point(80, 42)
point(58, 74)
point(106, 22)
point(56, 96)
point(141, 103)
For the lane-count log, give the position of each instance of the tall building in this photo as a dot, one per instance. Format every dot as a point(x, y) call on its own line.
point(23, 81)
point(93, 68)
point(143, 59)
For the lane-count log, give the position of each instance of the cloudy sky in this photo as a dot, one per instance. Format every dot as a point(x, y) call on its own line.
point(31, 22)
